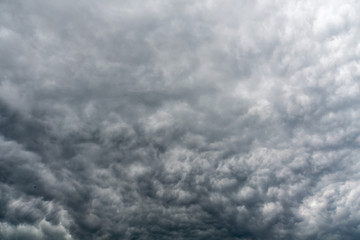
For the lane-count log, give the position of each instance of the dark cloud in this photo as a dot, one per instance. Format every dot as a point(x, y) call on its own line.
point(179, 120)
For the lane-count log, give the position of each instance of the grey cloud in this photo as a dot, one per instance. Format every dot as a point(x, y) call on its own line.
point(181, 120)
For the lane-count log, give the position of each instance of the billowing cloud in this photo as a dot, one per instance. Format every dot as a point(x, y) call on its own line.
point(179, 120)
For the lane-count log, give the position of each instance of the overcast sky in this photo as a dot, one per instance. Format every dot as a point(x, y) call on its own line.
point(179, 119)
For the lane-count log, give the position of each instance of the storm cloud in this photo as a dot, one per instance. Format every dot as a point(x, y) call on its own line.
point(179, 119)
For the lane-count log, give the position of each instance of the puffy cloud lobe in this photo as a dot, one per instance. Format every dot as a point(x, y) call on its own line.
point(182, 120)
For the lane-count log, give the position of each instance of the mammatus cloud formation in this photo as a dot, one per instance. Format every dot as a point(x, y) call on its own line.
point(179, 119)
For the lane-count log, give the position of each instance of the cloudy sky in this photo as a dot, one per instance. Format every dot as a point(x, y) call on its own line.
point(179, 119)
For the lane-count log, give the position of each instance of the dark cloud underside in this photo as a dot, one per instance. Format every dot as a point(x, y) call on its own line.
point(179, 120)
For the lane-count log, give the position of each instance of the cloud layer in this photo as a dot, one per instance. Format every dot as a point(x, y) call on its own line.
point(179, 119)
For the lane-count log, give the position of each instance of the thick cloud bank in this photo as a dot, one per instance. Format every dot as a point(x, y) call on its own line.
point(179, 119)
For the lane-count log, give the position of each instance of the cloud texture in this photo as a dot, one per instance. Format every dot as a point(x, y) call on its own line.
point(179, 119)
